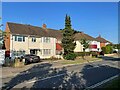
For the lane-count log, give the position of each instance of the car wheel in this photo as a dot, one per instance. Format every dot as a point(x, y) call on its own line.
point(26, 62)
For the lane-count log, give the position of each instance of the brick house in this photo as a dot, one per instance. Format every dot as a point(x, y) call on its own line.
point(103, 42)
point(28, 39)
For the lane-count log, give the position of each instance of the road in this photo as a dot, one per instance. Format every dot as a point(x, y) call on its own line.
point(76, 76)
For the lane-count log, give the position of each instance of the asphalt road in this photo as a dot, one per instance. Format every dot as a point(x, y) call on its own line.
point(77, 76)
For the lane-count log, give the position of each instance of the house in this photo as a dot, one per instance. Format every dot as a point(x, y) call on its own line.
point(22, 38)
point(93, 43)
point(103, 42)
point(42, 41)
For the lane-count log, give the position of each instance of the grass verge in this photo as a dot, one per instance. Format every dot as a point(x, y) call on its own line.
point(79, 61)
point(112, 84)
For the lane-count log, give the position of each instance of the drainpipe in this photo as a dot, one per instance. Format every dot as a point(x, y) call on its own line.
point(28, 43)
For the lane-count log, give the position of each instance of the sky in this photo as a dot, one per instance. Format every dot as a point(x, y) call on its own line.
point(93, 18)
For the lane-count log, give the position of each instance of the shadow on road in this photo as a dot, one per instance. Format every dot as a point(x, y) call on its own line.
point(110, 58)
point(89, 75)
point(97, 73)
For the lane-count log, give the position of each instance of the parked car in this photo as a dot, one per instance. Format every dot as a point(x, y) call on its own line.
point(102, 53)
point(30, 58)
point(114, 51)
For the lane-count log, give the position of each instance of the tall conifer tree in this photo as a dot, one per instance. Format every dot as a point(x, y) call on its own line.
point(68, 38)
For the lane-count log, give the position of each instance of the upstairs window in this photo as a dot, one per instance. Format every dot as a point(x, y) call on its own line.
point(33, 39)
point(20, 38)
point(46, 39)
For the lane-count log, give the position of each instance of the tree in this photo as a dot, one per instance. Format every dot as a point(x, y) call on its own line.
point(2, 42)
point(116, 46)
point(107, 49)
point(68, 43)
point(2, 36)
point(85, 44)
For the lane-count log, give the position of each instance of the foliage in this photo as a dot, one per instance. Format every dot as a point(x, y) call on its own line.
point(70, 56)
point(94, 54)
point(68, 43)
point(85, 43)
point(82, 53)
point(103, 49)
point(116, 46)
point(2, 42)
point(107, 49)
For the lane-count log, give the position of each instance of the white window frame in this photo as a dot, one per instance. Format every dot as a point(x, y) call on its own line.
point(46, 51)
point(19, 38)
point(33, 39)
point(46, 39)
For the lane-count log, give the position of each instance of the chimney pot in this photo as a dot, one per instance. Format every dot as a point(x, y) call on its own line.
point(44, 26)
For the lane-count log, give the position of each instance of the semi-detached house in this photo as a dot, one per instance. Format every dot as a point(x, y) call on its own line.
point(28, 39)
point(42, 41)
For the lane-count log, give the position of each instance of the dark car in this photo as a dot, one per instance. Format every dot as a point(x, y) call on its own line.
point(102, 53)
point(30, 58)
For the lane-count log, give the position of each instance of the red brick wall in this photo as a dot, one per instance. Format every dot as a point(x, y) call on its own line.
point(7, 38)
point(102, 45)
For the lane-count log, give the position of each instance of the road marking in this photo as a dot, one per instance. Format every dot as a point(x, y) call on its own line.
point(102, 82)
point(48, 78)
point(45, 78)
point(93, 67)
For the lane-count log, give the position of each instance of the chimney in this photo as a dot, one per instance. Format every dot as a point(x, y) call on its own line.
point(44, 26)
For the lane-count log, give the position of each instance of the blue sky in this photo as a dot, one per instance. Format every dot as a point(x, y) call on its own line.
point(90, 17)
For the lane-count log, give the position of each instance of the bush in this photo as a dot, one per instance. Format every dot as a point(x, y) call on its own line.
point(107, 49)
point(70, 56)
point(83, 53)
point(94, 54)
point(53, 58)
point(103, 49)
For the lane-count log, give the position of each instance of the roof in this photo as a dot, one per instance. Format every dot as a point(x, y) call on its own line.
point(82, 35)
point(25, 29)
point(102, 40)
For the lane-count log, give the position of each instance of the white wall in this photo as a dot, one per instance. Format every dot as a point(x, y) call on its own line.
point(28, 44)
point(17, 46)
point(95, 43)
point(79, 47)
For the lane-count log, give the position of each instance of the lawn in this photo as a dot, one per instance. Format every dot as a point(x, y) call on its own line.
point(79, 60)
point(112, 84)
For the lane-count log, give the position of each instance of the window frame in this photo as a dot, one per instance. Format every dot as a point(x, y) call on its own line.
point(34, 39)
point(19, 38)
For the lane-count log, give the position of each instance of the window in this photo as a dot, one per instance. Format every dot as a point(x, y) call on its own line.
point(20, 38)
point(46, 39)
point(33, 39)
point(46, 51)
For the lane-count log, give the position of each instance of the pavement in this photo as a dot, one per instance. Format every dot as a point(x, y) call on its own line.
point(54, 75)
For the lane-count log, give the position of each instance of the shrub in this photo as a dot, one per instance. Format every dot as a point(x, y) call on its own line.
point(70, 56)
point(83, 53)
point(103, 49)
point(107, 49)
point(53, 58)
point(94, 54)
